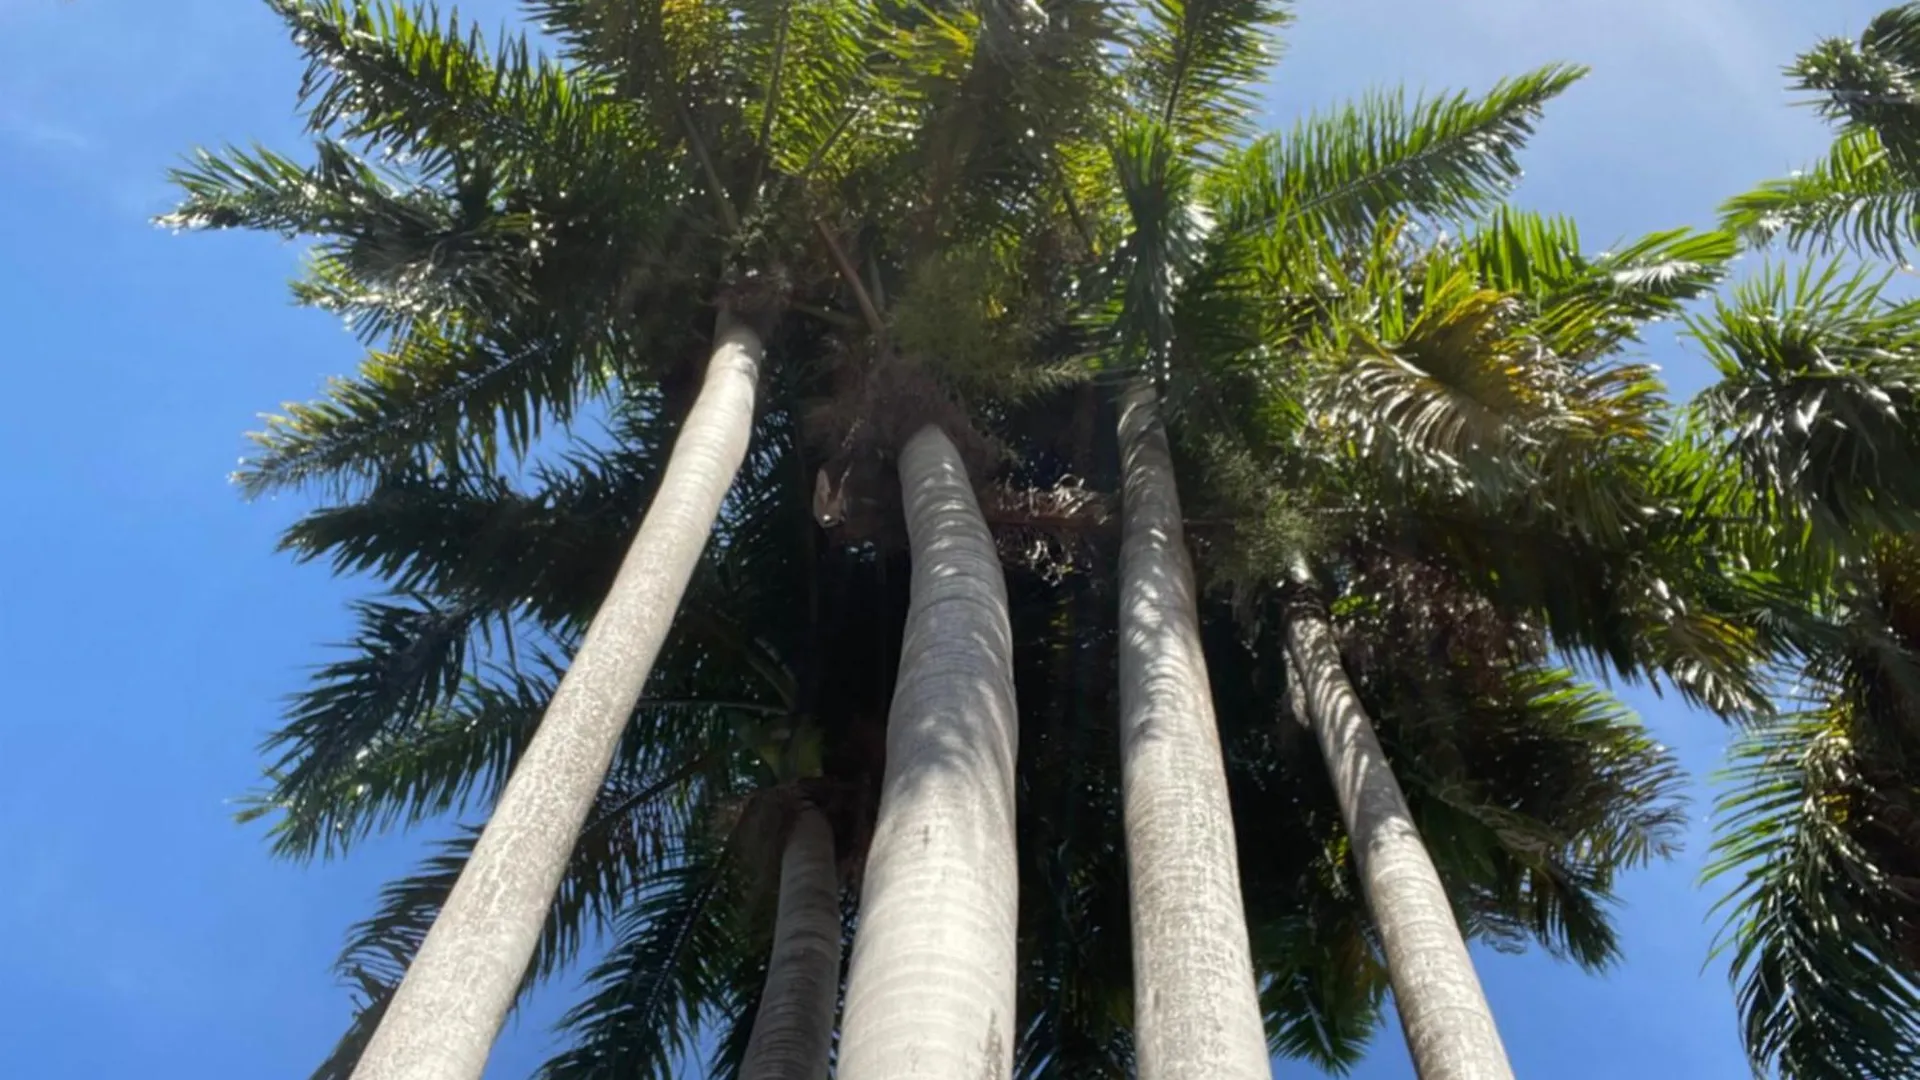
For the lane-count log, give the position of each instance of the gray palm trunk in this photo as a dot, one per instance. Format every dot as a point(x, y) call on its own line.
point(444, 1017)
point(793, 1031)
point(1449, 1028)
point(1196, 1009)
point(930, 991)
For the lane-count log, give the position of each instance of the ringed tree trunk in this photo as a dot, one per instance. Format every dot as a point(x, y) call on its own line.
point(1196, 1009)
point(1449, 1028)
point(793, 1032)
point(444, 1016)
point(930, 990)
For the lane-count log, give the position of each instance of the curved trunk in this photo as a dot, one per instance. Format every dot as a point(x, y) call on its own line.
point(793, 1032)
point(1196, 1010)
point(930, 992)
point(443, 1018)
point(1449, 1028)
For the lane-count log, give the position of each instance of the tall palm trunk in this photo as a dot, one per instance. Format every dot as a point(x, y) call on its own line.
point(930, 993)
point(443, 1018)
point(1196, 1010)
point(1449, 1028)
point(793, 1033)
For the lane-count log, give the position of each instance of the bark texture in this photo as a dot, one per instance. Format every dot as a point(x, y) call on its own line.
point(1196, 1010)
point(793, 1032)
point(448, 1009)
point(1444, 1013)
point(930, 991)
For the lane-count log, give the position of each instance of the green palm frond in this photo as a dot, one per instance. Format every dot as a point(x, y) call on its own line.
point(439, 398)
point(1820, 932)
point(736, 1014)
point(481, 537)
point(1324, 991)
point(417, 86)
point(519, 235)
point(1163, 244)
point(1869, 84)
point(1535, 791)
point(1583, 307)
point(457, 752)
point(1194, 65)
point(1818, 376)
point(1602, 799)
point(665, 977)
point(1856, 197)
point(817, 83)
point(405, 669)
point(1446, 158)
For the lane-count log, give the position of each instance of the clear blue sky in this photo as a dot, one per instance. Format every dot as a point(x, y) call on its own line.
point(147, 630)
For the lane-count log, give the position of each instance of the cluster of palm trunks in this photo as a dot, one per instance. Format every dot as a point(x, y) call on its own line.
point(775, 436)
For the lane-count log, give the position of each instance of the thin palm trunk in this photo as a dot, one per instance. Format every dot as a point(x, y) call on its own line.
point(930, 992)
point(793, 1032)
point(1196, 1009)
point(1449, 1028)
point(447, 1011)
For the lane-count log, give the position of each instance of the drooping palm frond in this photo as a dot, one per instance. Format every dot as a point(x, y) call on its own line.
point(1820, 929)
point(437, 763)
point(1604, 799)
point(497, 257)
point(405, 670)
point(414, 84)
point(665, 977)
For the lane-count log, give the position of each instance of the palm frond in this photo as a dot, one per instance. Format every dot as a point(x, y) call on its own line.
point(1194, 66)
point(455, 752)
point(403, 79)
point(1868, 85)
point(1818, 376)
point(405, 668)
point(1323, 989)
point(1856, 197)
point(664, 979)
point(1821, 957)
point(1444, 158)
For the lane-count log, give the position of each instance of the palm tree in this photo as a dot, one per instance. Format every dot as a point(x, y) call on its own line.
point(1245, 296)
point(930, 988)
point(375, 75)
point(521, 167)
point(794, 1022)
point(1221, 268)
point(1814, 412)
point(1449, 1029)
point(1197, 1009)
point(443, 1018)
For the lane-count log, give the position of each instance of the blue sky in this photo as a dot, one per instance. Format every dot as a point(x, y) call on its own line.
point(147, 630)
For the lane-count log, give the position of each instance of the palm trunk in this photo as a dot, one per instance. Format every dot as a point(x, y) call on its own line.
point(930, 993)
point(1449, 1028)
point(1196, 1011)
point(444, 1017)
point(793, 1033)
